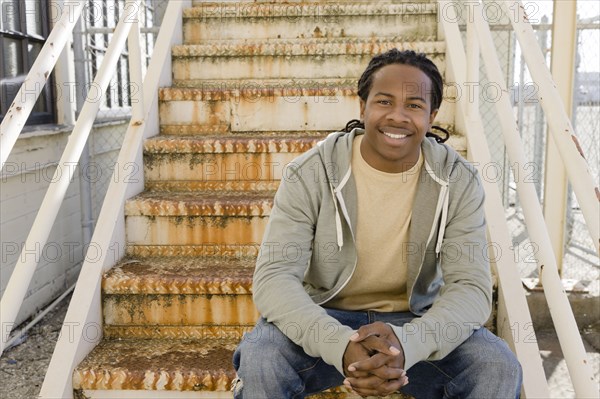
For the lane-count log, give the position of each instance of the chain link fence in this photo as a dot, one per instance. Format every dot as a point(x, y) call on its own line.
point(580, 261)
point(91, 40)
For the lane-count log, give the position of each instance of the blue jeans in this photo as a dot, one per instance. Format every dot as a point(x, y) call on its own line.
point(270, 366)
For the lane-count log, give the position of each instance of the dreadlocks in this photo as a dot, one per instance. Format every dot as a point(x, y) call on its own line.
point(407, 57)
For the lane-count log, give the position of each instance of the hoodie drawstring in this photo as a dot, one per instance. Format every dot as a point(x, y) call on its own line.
point(438, 246)
point(338, 220)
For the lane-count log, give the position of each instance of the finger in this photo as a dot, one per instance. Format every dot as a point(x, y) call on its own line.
point(389, 373)
point(377, 328)
point(370, 382)
point(389, 387)
point(385, 388)
point(358, 374)
point(374, 362)
point(380, 344)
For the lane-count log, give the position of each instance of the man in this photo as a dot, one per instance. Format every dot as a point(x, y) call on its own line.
point(372, 269)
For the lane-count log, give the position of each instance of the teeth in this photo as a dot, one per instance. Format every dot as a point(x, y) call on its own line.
point(395, 136)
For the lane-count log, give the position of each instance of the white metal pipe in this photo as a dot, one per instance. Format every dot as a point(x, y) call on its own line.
point(560, 309)
point(580, 177)
point(38, 236)
point(564, 51)
point(39, 317)
point(135, 71)
point(472, 72)
point(85, 304)
point(514, 319)
point(21, 107)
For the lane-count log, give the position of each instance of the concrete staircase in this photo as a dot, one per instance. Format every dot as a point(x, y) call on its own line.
point(255, 85)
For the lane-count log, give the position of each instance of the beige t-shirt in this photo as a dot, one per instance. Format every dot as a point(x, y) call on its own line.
point(385, 202)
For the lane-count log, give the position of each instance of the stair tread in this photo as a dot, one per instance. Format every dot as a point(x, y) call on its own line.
point(180, 275)
point(219, 90)
point(158, 364)
point(271, 10)
point(166, 365)
point(247, 143)
point(210, 203)
point(310, 46)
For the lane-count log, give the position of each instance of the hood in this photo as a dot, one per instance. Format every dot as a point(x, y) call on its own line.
point(336, 154)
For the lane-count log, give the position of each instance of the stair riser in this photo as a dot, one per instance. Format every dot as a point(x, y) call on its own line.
point(179, 310)
point(234, 251)
point(313, 66)
point(249, 114)
point(177, 332)
point(301, 113)
point(199, 3)
point(204, 186)
point(213, 24)
point(194, 230)
point(216, 167)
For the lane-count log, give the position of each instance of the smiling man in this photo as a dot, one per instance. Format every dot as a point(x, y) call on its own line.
point(387, 287)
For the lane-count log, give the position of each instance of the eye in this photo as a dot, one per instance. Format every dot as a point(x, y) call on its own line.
point(384, 102)
point(415, 106)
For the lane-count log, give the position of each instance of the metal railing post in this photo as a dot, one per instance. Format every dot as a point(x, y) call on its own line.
point(21, 107)
point(85, 305)
point(588, 193)
point(38, 236)
point(560, 309)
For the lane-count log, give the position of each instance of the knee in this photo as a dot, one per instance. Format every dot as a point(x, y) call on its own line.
point(504, 368)
point(265, 345)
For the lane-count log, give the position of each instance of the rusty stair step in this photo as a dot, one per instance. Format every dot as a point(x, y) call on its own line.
point(305, 19)
point(237, 106)
point(192, 219)
point(196, 293)
point(293, 58)
point(230, 162)
point(225, 204)
point(180, 275)
point(157, 364)
point(241, 143)
point(166, 368)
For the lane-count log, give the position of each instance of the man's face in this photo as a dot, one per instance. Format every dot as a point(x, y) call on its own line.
point(397, 115)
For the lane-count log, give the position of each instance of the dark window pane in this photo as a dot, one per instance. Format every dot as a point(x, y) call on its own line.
point(10, 15)
point(12, 57)
point(33, 15)
point(33, 50)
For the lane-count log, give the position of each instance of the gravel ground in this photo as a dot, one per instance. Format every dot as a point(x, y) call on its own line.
point(22, 368)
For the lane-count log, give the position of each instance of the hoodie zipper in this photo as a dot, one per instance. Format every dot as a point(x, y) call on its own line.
point(442, 205)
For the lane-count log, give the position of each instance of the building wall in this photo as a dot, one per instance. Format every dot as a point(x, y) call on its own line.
point(23, 183)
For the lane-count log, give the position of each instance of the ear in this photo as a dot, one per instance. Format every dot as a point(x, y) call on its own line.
point(432, 116)
point(362, 109)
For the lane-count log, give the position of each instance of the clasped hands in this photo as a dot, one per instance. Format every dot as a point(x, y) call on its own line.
point(374, 361)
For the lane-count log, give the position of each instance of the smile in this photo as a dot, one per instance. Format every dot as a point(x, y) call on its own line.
point(395, 136)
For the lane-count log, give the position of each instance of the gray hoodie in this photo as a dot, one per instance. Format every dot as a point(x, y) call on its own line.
point(308, 253)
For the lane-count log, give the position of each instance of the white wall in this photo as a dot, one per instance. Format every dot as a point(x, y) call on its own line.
point(23, 183)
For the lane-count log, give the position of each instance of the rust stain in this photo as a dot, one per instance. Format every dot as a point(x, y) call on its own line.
point(576, 141)
point(179, 309)
point(158, 365)
point(217, 276)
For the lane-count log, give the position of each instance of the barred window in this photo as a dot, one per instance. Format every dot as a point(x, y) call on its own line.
point(24, 29)
point(100, 20)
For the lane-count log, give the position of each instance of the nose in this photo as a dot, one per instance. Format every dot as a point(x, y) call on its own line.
point(398, 114)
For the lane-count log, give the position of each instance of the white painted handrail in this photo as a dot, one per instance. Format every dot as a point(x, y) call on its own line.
point(560, 309)
point(85, 307)
point(30, 90)
point(513, 317)
point(580, 177)
point(38, 236)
